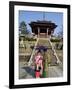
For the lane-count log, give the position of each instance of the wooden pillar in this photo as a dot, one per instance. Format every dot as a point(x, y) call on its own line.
point(51, 33)
point(47, 32)
point(38, 31)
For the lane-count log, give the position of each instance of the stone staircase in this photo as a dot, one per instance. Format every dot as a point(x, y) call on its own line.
point(43, 42)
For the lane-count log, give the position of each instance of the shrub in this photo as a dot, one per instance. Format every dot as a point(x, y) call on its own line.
point(29, 39)
point(32, 47)
point(59, 46)
point(55, 40)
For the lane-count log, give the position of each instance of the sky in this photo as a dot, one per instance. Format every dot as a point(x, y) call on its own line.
point(28, 16)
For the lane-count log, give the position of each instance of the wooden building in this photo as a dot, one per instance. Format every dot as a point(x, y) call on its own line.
point(43, 28)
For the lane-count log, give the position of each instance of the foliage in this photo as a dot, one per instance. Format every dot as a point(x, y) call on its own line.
point(59, 46)
point(31, 47)
point(31, 39)
point(45, 71)
point(23, 28)
point(60, 33)
point(27, 39)
point(55, 40)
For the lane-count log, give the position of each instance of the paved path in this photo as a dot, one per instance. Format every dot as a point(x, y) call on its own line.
point(25, 71)
point(55, 71)
point(28, 72)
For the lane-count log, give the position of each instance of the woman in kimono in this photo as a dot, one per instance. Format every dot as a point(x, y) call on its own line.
point(38, 65)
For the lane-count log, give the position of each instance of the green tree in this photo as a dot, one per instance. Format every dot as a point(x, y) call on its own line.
point(23, 28)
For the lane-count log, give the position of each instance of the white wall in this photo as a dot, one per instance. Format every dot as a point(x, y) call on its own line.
point(4, 44)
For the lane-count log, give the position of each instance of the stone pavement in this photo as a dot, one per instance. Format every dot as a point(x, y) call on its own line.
point(26, 72)
point(55, 71)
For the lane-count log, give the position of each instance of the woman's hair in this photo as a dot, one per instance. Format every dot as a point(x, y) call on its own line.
point(39, 51)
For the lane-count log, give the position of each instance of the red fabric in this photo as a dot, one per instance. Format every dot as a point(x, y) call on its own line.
point(37, 73)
